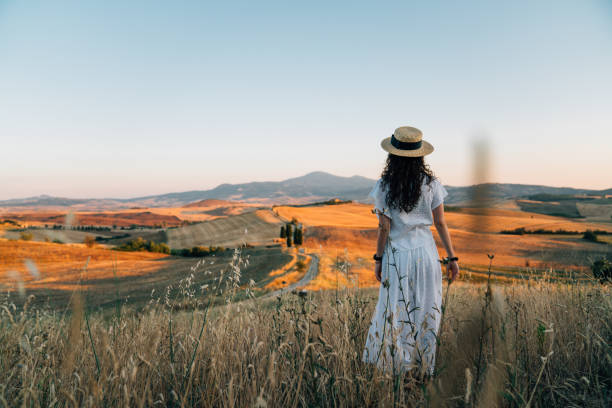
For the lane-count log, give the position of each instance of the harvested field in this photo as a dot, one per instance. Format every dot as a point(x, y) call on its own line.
point(108, 218)
point(63, 236)
point(211, 202)
point(600, 212)
point(563, 208)
point(251, 228)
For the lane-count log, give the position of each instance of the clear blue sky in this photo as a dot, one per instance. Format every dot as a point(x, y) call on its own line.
point(126, 98)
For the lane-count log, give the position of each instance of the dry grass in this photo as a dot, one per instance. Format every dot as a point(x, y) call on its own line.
point(468, 219)
point(64, 262)
point(341, 215)
point(540, 345)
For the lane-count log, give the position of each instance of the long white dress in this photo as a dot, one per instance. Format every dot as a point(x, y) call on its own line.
point(405, 324)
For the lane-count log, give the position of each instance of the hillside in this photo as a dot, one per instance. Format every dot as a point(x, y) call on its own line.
point(316, 186)
point(311, 187)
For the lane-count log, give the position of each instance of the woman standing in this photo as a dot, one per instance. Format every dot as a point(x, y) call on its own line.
point(408, 200)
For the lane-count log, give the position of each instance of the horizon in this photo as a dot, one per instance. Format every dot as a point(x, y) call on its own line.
point(139, 99)
point(271, 181)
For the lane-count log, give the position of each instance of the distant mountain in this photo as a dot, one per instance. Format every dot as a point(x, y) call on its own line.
point(317, 186)
point(505, 191)
point(313, 186)
point(42, 200)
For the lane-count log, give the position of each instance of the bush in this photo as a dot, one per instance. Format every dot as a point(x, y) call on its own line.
point(26, 236)
point(516, 231)
point(89, 241)
point(140, 244)
point(197, 251)
point(602, 270)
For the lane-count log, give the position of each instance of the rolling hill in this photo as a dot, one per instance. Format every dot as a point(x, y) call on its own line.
point(316, 186)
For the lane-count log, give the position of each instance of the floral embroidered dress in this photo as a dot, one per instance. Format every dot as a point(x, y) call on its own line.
point(405, 324)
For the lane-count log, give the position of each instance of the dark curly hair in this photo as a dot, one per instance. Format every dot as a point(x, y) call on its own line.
point(402, 178)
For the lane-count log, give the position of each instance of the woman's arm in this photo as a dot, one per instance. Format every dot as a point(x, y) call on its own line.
point(384, 225)
point(442, 228)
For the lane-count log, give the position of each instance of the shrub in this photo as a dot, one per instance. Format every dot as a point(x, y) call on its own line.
point(89, 241)
point(516, 231)
point(602, 270)
point(140, 244)
point(26, 236)
point(197, 251)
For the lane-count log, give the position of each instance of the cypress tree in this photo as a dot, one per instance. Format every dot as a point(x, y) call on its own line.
point(282, 232)
point(289, 241)
point(297, 236)
point(289, 230)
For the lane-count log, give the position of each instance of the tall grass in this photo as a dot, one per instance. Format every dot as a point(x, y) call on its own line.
point(538, 345)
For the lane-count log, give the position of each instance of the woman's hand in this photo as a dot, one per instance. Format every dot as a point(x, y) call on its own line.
point(452, 270)
point(377, 270)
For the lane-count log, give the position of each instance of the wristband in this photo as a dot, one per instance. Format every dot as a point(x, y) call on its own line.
point(377, 258)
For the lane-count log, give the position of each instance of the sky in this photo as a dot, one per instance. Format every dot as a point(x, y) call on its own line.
point(131, 98)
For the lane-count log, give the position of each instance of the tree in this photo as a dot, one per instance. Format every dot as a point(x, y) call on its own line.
point(298, 236)
point(282, 232)
point(289, 230)
point(590, 236)
point(289, 242)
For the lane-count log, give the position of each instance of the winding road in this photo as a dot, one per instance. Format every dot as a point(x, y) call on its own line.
point(311, 273)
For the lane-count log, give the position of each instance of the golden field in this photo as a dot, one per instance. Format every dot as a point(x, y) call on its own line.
point(339, 234)
point(62, 265)
point(99, 327)
point(347, 231)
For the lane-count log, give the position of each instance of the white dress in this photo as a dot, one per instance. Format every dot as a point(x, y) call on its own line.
point(405, 324)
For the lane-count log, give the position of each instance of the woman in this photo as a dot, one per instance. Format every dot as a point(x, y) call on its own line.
point(408, 199)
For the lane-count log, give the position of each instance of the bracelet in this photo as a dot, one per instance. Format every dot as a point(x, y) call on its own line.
point(377, 258)
point(447, 260)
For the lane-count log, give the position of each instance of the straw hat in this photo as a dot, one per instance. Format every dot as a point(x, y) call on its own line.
point(408, 142)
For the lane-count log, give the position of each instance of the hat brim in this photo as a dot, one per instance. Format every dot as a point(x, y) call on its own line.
point(425, 149)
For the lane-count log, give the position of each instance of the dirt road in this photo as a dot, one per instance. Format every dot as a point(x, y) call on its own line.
point(310, 274)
